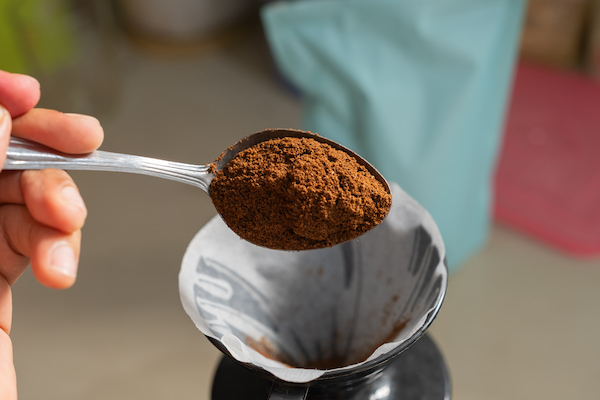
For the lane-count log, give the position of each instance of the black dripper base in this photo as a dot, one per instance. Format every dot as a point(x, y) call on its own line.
point(419, 373)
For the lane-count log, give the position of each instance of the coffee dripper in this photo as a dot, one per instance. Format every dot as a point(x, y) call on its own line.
point(320, 324)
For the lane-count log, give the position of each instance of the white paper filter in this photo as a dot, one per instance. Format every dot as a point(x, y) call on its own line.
point(352, 302)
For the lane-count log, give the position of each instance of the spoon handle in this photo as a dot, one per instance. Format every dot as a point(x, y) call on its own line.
point(23, 154)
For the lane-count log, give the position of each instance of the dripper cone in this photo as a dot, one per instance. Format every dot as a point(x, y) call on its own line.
point(300, 315)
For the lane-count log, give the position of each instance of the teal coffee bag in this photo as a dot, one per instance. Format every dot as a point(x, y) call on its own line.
point(417, 87)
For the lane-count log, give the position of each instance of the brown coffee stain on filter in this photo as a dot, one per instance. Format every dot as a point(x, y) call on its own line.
point(389, 308)
point(269, 350)
point(396, 329)
point(298, 194)
point(362, 354)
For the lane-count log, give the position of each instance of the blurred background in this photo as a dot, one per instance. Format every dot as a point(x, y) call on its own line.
point(182, 80)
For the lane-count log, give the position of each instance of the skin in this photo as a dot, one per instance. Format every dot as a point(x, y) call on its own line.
point(41, 212)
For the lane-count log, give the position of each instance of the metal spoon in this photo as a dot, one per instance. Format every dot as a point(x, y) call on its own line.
point(23, 154)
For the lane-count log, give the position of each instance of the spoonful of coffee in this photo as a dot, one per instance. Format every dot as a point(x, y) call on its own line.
point(281, 189)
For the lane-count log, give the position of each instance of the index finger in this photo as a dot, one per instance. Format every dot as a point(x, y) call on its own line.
point(5, 128)
point(69, 133)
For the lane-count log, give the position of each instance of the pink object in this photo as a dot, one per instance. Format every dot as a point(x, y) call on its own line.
point(548, 177)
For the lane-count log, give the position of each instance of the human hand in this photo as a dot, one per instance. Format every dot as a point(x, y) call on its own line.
point(41, 212)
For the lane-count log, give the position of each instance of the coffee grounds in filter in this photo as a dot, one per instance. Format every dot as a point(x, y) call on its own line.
point(298, 194)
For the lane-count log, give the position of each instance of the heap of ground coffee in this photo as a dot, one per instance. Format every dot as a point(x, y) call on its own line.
point(298, 194)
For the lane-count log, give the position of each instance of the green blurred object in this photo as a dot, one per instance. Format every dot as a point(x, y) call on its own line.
point(34, 35)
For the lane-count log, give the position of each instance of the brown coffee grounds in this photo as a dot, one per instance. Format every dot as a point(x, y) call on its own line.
point(298, 194)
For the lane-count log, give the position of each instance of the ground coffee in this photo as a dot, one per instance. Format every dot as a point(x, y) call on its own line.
point(298, 194)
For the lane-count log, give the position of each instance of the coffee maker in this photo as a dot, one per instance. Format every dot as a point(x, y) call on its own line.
point(345, 322)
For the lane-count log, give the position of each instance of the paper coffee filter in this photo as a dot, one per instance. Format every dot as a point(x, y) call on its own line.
point(300, 314)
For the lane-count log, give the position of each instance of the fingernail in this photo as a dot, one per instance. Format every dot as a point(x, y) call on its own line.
point(63, 260)
point(4, 119)
point(31, 79)
point(84, 117)
point(72, 196)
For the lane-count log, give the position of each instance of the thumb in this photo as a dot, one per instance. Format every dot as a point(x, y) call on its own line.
point(5, 129)
point(8, 382)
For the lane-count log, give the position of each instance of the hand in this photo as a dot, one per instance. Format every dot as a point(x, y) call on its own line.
point(41, 212)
